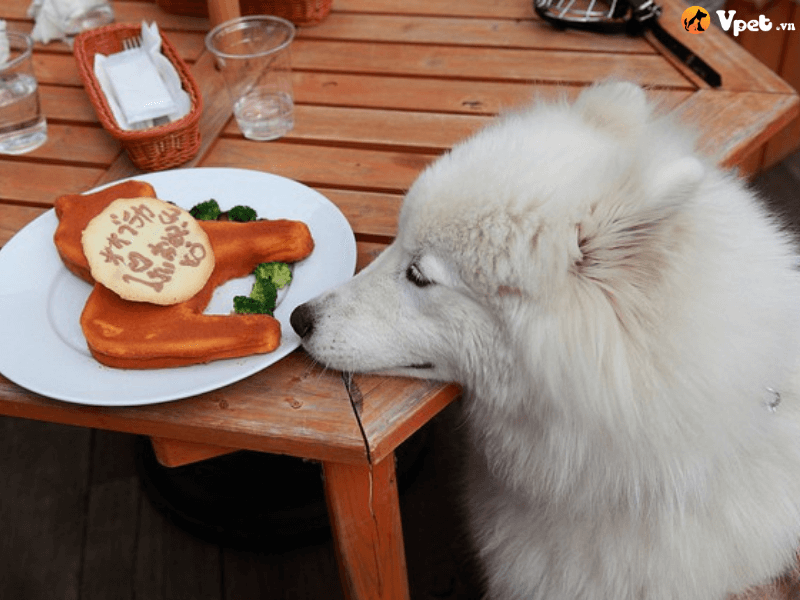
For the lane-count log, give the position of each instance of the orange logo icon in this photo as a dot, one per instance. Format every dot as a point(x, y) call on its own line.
point(696, 19)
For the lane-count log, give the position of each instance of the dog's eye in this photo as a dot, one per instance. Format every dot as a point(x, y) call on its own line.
point(414, 275)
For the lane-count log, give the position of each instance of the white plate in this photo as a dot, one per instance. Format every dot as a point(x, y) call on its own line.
point(43, 349)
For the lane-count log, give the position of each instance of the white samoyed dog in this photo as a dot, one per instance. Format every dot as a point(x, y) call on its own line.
point(624, 319)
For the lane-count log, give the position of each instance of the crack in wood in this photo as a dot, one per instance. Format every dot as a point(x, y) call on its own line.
point(357, 402)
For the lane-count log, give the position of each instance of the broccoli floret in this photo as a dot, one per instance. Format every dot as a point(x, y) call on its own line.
point(206, 211)
point(249, 306)
point(242, 214)
point(278, 272)
point(264, 294)
point(264, 291)
point(261, 300)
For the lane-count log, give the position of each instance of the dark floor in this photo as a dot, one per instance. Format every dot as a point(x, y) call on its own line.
point(76, 523)
point(780, 187)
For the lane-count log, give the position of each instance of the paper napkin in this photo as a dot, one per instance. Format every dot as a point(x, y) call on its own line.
point(141, 84)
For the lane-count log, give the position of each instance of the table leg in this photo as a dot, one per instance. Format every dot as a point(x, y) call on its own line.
point(364, 509)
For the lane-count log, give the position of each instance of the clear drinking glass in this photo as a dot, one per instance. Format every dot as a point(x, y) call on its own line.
point(253, 54)
point(23, 127)
point(84, 18)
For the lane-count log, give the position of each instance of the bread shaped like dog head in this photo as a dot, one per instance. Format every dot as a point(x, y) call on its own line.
point(140, 335)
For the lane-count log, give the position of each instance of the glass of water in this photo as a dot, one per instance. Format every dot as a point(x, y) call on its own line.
point(84, 17)
point(23, 127)
point(253, 54)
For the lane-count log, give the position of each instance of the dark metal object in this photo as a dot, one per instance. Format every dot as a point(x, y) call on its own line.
point(622, 16)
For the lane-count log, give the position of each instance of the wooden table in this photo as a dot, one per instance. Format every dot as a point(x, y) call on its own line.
point(382, 88)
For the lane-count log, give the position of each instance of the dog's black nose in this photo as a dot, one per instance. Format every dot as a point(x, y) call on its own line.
point(302, 320)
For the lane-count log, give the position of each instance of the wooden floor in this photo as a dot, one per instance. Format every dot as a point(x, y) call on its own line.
point(76, 524)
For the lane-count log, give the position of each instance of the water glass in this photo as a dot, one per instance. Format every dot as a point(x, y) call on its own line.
point(85, 16)
point(253, 54)
point(23, 127)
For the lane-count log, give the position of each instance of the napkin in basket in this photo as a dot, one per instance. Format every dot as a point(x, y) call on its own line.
point(135, 102)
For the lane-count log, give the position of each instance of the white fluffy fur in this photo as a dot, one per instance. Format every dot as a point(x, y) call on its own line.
point(616, 309)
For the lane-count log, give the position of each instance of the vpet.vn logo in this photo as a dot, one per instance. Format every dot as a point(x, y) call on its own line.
point(695, 19)
point(739, 25)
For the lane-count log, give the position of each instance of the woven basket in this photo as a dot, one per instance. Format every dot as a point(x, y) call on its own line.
point(299, 12)
point(156, 148)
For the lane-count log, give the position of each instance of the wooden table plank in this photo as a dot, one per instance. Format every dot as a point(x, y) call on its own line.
point(740, 71)
point(41, 183)
point(187, 33)
point(443, 61)
point(436, 95)
point(71, 104)
point(391, 409)
point(736, 124)
point(490, 33)
point(431, 132)
point(128, 11)
point(124, 11)
point(467, 8)
point(190, 45)
point(366, 169)
point(371, 214)
point(58, 69)
point(292, 407)
point(322, 165)
point(13, 218)
point(476, 63)
point(411, 130)
point(89, 146)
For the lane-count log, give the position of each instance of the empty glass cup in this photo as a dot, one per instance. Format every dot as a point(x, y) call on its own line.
point(253, 54)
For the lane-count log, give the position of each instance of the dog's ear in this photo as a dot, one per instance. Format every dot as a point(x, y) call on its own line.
point(623, 242)
point(619, 108)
